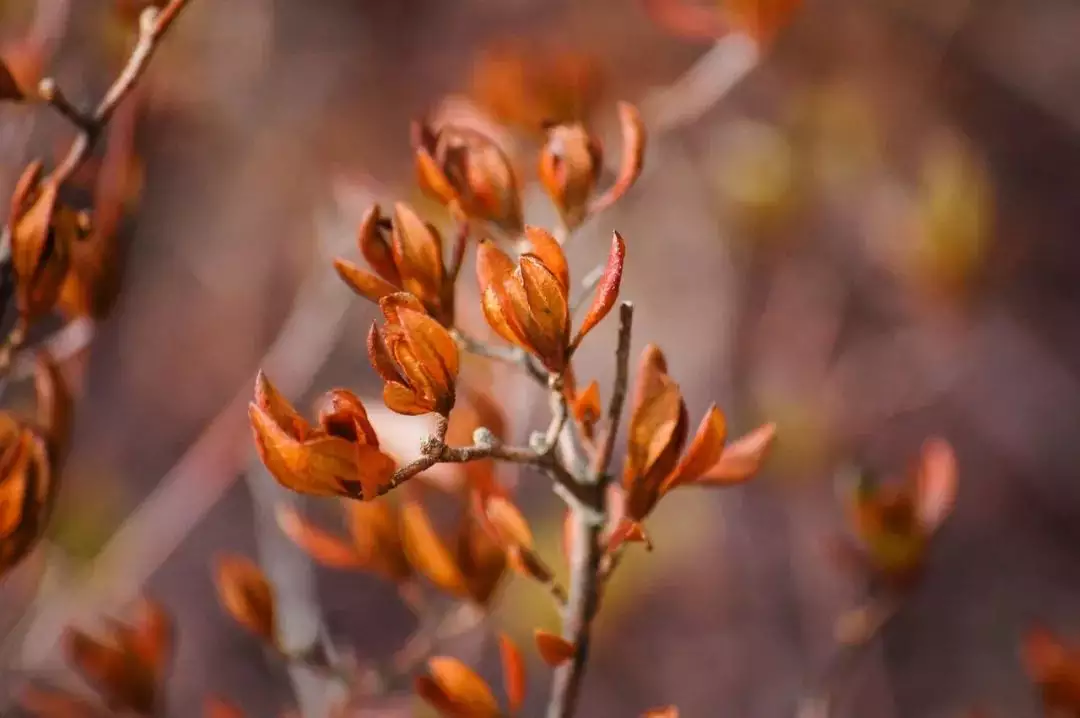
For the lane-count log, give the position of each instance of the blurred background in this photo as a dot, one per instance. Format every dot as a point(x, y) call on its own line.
point(857, 219)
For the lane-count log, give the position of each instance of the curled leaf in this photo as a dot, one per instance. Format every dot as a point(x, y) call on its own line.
point(633, 156)
point(547, 250)
point(246, 594)
point(570, 164)
point(607, 291)
point(513, 670)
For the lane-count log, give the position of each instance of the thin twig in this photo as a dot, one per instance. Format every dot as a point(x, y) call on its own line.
point(153, 25)
point(435, 451)
point(618, 395)
point(587, 550)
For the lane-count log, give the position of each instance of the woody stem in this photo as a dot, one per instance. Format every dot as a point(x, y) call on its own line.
point(588, 551)
point(435, 451)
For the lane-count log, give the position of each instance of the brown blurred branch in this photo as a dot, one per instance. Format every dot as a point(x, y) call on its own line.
point(435, 451)
point(587, 550)
point(153, 25)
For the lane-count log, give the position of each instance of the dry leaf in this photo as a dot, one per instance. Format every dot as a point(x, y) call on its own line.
point(415, 356)
point(742, 459)
point(607, 291)
point(555, 650)
point(633, 157)
point(467, 693)
point(246, 594)
point(570, 164)
point(465, 169)
point(322, 546)
point(513, 669)
point(27, 491)
point(127, 664)
point(341, 457)
point(428, 553)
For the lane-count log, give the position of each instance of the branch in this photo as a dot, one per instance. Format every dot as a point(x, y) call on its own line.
point(587, 550)
point(153, 25)
point(435, 451)
point(618, 395)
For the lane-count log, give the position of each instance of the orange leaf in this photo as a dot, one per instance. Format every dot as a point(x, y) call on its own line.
point(513, 668)
point(428, 333)
point(936, 483)
point(629, 531)
point(741, 459)
point(374, 246)
point(342, 414)
point(152, 640)
point(418, 254)
point(665, 712)
point(555, 650)
point(246, 594)
point(432, 693)
point(321, 545)
point(278, 408)
point(607, 291)
point(543, 310)
point(217, 707)
point(656, 436)
point(570, 164)
point(586, 406)
point(468, 692)
point(510, 526)
point(364, 283)
point(39, 254)
point(633, 156)
point(377, 533)
point(550, 253)
point(704, 451)
point(493, 272)
point(428, 553)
